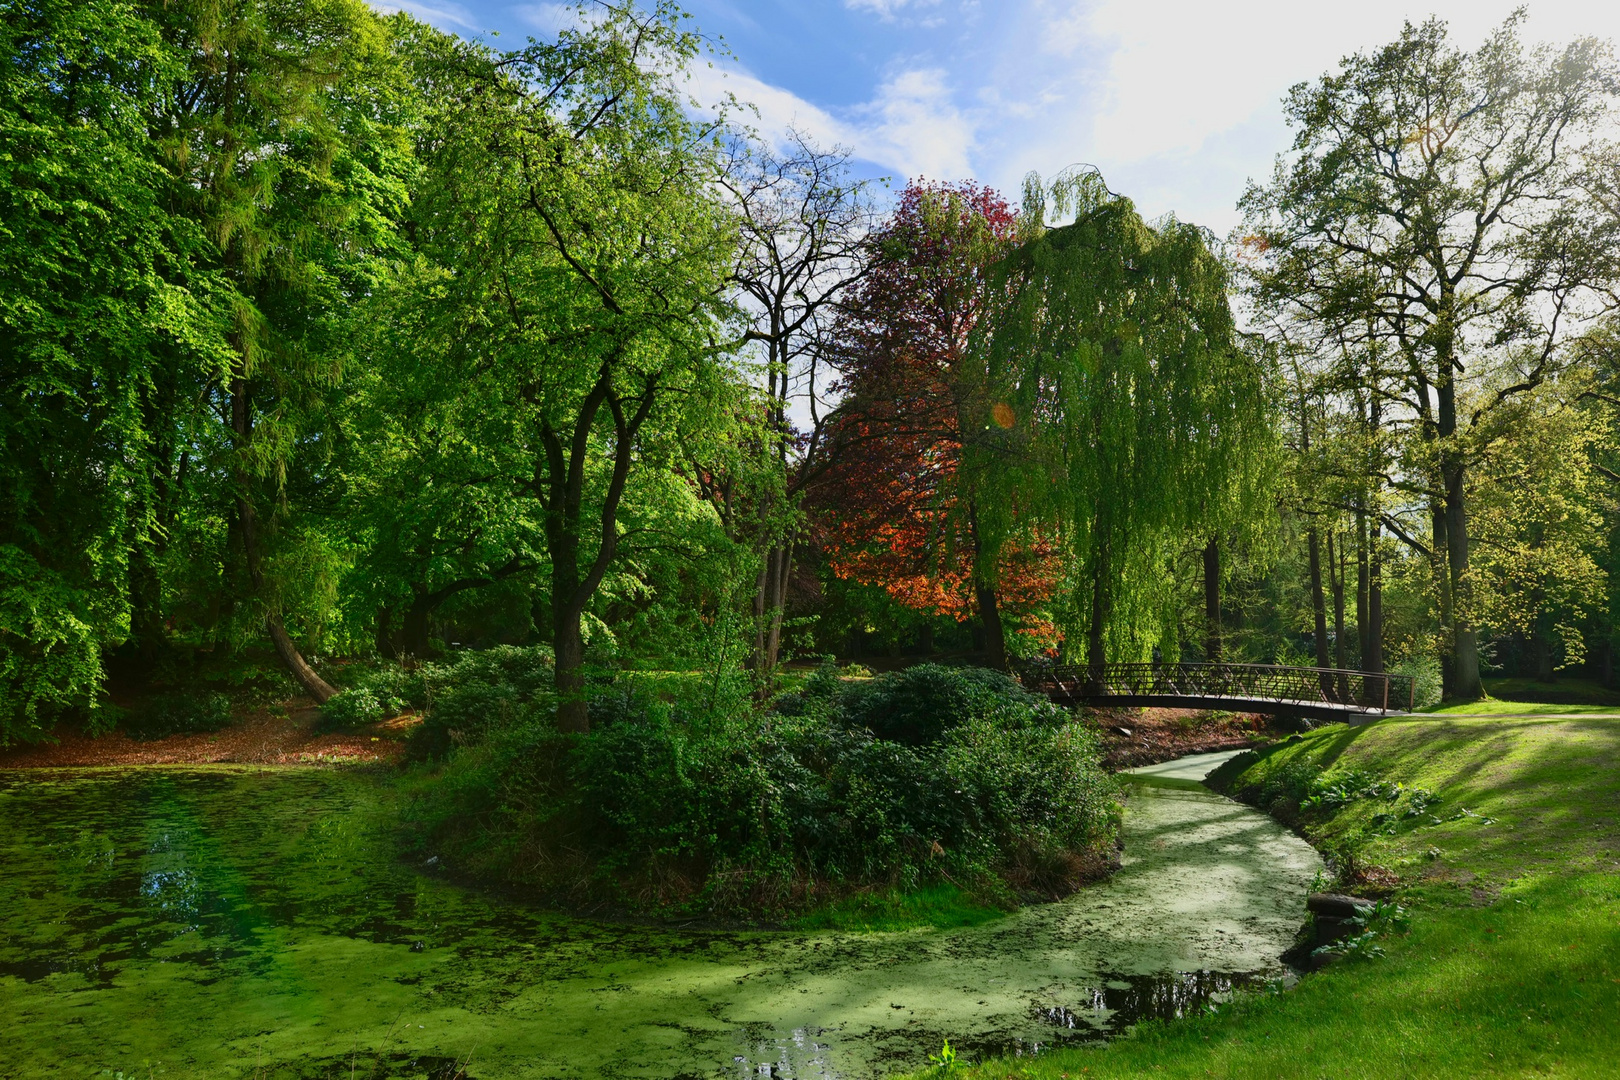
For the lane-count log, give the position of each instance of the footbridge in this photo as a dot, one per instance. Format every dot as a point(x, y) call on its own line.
point(1316, 693)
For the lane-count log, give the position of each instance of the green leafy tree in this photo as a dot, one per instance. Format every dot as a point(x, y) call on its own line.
point(1118, 405)
point(284, 138)
point(110, 320)
point(1435, 204)
point(572, 200)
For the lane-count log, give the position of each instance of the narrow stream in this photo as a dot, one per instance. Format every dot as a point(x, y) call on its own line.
point(222, 922)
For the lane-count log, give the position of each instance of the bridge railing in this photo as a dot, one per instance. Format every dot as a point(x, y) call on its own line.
point(1369, 690)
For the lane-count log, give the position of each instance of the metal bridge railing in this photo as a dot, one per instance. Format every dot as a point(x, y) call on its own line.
point(1365, 690)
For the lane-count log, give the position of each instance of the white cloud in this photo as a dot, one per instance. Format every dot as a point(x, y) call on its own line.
point(1179, 101)
point(777, 110)
point(552, 19)
point(915, 126)
point(446, 16)
point(887, 9)
point(911, 126)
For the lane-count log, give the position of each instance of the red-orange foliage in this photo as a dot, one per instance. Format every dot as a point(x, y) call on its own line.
point(889, 506)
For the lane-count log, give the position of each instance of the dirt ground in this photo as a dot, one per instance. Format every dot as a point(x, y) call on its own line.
point(289, 735)
point(1133, 737)
point(286, 735)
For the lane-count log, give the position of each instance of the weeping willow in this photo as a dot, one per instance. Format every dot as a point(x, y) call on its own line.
point(1119, 413)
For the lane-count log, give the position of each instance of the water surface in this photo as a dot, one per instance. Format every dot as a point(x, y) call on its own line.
point(224, 922)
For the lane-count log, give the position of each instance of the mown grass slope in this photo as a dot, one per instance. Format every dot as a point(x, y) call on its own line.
point(1502, 840)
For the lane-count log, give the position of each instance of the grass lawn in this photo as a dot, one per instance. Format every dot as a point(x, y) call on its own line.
point(1516, 697)
point(1495, 707)
point(1503, 844)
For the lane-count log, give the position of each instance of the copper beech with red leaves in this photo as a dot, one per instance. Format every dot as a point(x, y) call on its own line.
point(894, 506)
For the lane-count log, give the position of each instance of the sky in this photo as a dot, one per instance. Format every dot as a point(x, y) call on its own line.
point(1178, 103)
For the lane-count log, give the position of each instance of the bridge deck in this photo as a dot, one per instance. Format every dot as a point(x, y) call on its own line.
point(1319, 693)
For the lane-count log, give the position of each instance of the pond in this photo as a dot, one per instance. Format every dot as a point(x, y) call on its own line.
point(174, 922)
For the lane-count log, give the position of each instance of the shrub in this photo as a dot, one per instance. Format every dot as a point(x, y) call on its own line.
point(671, 803)
point(352, 708)
point(376, 695)
point(917, 705)
point(179, 712)
point(475, 692)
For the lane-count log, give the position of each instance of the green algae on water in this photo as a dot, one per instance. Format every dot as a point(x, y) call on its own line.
point(190, 923)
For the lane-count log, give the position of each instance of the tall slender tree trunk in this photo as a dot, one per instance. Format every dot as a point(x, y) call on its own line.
point(1442, 587)
point(568, 650)
point(1464, 638)
point(567, 629)
point(1101, 603)
point(1372, 654)
point(1541, 652)
point(770, 603)
point(995, 639)
point(1336, 576)
point(984, 592)
point(1363, 644)
point(1373, 660)
point(773, 640)
point(1313, 546)
point(1212, 601)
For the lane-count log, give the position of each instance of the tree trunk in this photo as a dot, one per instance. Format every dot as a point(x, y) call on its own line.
point(1336, 575)
point(1212, 601)
point(1541, 653)
point(773, 641)
point(383, 637)
point(315, 686)
point(1373, 660)
point(995, 638)
point(1318, 606)
point(568, 647)
point(1465, 638)
point(571, 590)
point(1363, 629)
point(1101, 597)
point(413, 633)
point(1442, 588)
point(770, 602)
point(995, 641)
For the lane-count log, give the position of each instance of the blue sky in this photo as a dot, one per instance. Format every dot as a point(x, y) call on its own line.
point(1177, 102)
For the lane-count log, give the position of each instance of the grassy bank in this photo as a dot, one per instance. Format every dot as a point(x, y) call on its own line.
point(1502, 842)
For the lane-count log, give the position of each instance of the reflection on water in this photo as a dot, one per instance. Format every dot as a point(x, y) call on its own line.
point(222, 922)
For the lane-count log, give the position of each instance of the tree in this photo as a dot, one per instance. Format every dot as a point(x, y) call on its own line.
point(910, 400)
point(435, 496)
point(1434, 206)
point(283, 138)
point(1117, 405)
point(108, 324)
point(573, 204)
point(804, 222)
point(1538, 511)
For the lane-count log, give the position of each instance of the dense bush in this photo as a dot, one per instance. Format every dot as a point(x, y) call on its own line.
point(182, 712)
point(461, 695)
point(932, 774)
